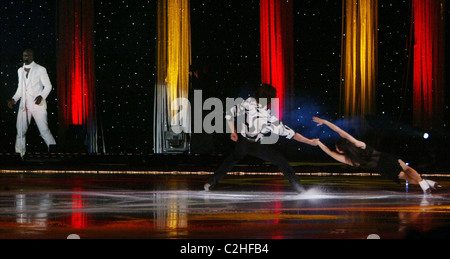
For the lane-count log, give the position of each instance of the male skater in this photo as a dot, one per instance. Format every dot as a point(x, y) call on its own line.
point(34, 88)
point(258, 126)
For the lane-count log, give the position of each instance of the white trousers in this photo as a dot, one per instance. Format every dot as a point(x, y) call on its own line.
point(24, 116)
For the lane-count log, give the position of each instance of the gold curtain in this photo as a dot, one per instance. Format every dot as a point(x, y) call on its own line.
point(174, 50)
point(173, 65)
point(359, 57)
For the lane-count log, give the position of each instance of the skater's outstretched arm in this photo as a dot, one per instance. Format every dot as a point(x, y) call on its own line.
point(338, 157)
point(341, 132)
point(300, 138)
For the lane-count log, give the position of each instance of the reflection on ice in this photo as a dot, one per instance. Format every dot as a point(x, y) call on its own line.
point(179, 200)
point(174, 213)
point(166, 207)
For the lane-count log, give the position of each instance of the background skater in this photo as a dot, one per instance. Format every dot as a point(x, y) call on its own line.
point(33, 90)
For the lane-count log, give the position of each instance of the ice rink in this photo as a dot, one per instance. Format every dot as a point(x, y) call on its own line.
point(242, 207)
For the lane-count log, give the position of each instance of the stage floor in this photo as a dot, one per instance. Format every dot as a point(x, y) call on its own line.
point(242, 207)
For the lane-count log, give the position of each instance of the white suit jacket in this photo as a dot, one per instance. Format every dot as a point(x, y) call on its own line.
point(38, 85)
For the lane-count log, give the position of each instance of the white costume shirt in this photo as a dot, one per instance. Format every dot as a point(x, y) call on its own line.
point(258, 121)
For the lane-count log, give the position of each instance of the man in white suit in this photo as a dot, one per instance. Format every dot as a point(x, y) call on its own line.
point(34, 88)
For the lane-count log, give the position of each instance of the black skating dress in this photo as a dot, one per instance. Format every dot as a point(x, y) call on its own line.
point(387, 165)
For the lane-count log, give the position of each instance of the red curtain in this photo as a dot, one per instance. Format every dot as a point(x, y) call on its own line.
point(76, 68)
point(277, 49)
point(429, 26)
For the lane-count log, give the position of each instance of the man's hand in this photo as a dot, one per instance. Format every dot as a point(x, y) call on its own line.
point(11, 103)
point(234, 137)
point(38, 100)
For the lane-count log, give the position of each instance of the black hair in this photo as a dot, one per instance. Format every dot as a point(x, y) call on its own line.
point(355, 155)
point(265, 92)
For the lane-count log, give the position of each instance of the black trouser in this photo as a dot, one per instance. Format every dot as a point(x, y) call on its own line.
point(268, 153)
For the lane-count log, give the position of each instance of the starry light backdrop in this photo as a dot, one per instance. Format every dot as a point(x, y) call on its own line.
point(125, 48)
point(226, 51)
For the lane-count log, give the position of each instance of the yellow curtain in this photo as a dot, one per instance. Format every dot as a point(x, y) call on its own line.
point(174, 51)
point(172, 87)
point(359, 57)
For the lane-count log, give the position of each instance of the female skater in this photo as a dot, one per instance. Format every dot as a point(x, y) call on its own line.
point(356, 153)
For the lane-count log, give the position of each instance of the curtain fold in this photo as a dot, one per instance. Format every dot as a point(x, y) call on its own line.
point(359, 57)
point(76, 69)
point(173, 74)
point(277, 50)
point(429, 62)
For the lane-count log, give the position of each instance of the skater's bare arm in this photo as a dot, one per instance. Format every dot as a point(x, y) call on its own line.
point(336, 156)
point(341, 132)
point(298, 137)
